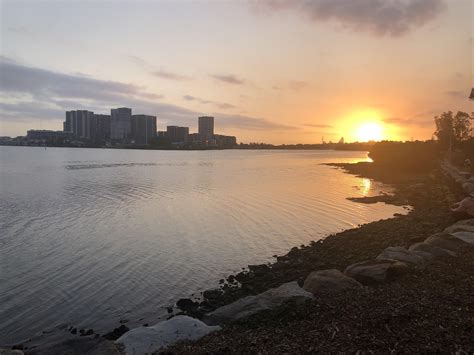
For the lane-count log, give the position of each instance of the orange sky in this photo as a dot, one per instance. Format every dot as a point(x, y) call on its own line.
point(275, 71)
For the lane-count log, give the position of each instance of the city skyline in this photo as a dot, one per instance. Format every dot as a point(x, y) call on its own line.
point(249, 64)
point(123, 129)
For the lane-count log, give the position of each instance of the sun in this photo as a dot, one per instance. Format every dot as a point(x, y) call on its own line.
point(370, 131)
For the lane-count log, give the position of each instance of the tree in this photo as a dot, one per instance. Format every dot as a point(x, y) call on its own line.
point(452, 130)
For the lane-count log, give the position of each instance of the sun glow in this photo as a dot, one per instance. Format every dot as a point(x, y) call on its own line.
point(371, 131)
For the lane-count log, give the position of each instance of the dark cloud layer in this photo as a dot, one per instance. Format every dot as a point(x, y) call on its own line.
point(29, 93)
point(17, 78)
point(379, 17)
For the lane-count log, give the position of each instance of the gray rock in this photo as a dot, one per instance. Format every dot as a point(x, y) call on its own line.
point(431, 249)
point(402, 254)
point(249, 305)
point(376, 271)
point(468, 187)
point(465, 206)
point(467, 237)
point(11, 352)
point(466, 225)
point(146, 340)
point(446, 241)
point(423, 254)
point(326, 282)
point(78, 346)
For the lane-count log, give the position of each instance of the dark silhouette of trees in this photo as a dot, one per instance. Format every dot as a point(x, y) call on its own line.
point(452, 130)
point(405, 156)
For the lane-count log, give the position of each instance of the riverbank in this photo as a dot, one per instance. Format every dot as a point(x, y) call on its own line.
point(429, 309)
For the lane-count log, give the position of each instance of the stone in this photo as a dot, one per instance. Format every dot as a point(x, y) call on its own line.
point(250, 305)
point(326, 282)
point(466, 225)
point(376, 271)
point(117, 332)
point(186, 304)
point(146, 340)
point(78, 346)
point(467, 237)
point(423, 254)
point(464, 206)
point(402, 254)
point(468, 187)
point(11, 352)
point(446, 241)
point(431, 249)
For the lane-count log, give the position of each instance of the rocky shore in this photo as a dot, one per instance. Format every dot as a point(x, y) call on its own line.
point(426, 308)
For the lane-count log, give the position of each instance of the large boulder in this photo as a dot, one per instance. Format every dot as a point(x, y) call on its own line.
point(467, 237)
point(466, 225)
point(249, 305)
point(402, 254)
point(465, 206)
point(376, 271)
point(446, 241)
point(431, 249)
point(326, 282)
point(146, 340)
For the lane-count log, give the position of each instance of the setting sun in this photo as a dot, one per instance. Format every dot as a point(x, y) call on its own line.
point(372, 131)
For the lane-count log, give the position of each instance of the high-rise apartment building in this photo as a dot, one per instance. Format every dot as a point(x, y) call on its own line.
point(206, 127)
point(143, 128)
point(121, 124)
point(177, 134)
point(79, 122)
point(100, 128)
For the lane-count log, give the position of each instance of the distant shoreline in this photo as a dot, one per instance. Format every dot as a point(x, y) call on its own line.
point(267, 147)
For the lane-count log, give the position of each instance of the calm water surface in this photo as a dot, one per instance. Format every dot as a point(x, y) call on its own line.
point(92, 236)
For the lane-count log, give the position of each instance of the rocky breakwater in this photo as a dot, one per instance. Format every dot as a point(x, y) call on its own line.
point(466, 182)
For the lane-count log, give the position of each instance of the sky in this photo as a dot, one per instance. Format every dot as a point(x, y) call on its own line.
point(275, 71)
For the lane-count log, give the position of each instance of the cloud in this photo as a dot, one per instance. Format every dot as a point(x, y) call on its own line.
point(298, 85)
point(163, 74)
point(408, 121)
point(228, 79)
point(317, 125)
point(41, 83)
point(379, 17)
point(28, 93)
point(221, 105)
point(252, 123)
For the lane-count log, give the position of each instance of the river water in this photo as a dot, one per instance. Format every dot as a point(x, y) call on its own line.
point(92, 236)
